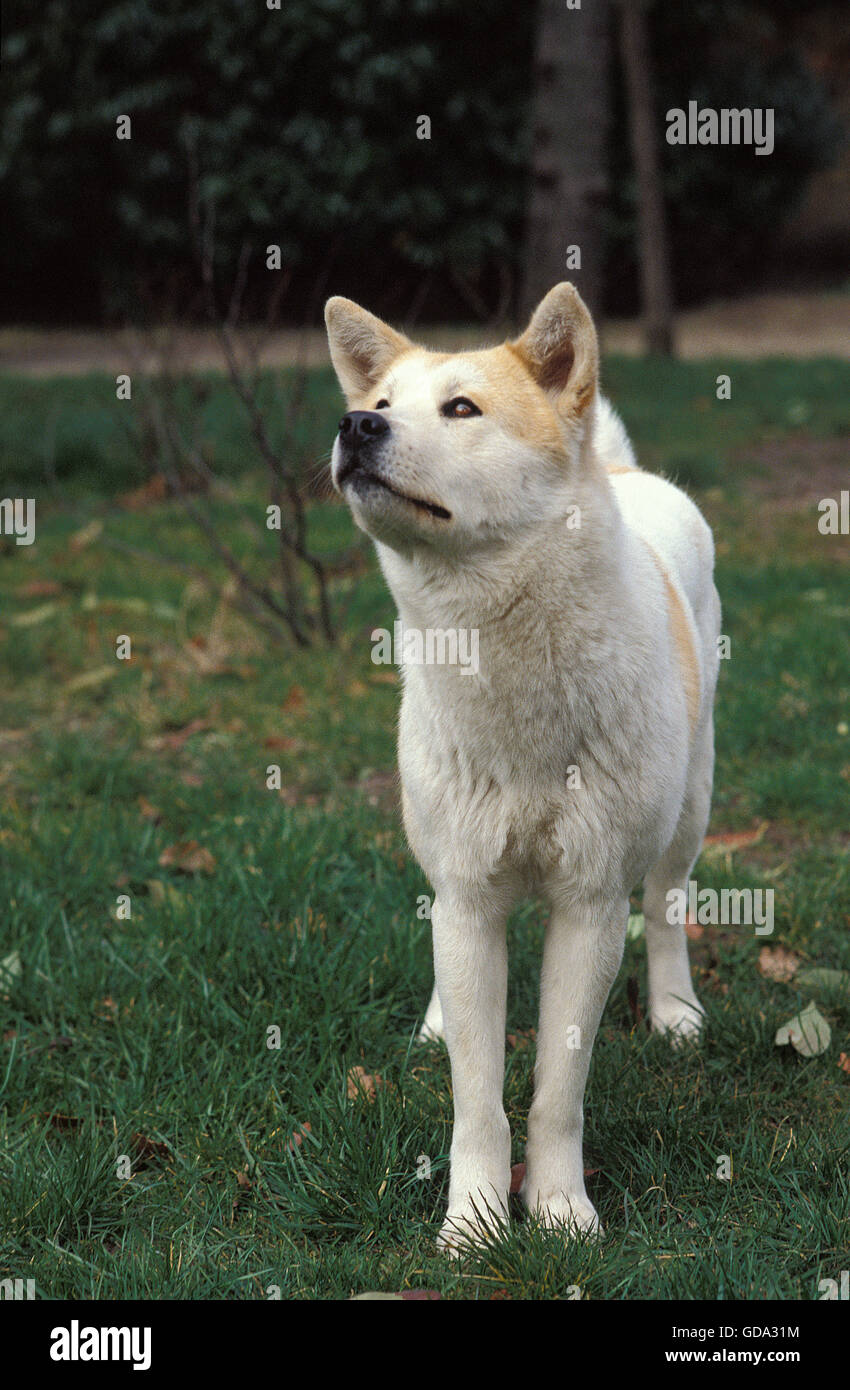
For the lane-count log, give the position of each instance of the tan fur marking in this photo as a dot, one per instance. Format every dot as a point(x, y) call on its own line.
point(683, 642)
point(618, 468)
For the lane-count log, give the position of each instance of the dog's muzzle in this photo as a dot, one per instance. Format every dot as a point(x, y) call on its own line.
point(359, 432)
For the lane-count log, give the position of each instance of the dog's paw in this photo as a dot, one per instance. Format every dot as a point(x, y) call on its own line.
point(473, 1224)
point(572, 1216)
point(681, 1020)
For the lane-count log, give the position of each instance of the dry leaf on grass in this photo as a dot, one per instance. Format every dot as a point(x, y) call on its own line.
point(173, 739)
point(65, 1124)
point(86, 535)
point(10, 969)
point(808, 1032)
point(732, 841)
point(777, 963)
point(39, 588)
point(154, 490)
point(361, 1085)
point(244, 1186)
point(844, 1062)
point(189, 857)
point(147, 1151)
point(295, 701)
point(297, 1139)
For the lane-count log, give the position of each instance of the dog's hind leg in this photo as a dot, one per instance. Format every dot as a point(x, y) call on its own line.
point(673, 1005)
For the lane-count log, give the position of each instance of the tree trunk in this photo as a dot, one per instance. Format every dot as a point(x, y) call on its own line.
point(656, 292)
point(569, 158)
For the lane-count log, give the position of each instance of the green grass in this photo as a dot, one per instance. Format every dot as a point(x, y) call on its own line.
point(157, 1026)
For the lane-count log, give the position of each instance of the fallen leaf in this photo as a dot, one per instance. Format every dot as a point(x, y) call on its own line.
point(149, 811)
point(66, 1124)
point(361, 1085)
point(844, 1062)
point(174, 739)
point(39, 588)
point(154, 490)
point(298, 1135)
point(730, 842)
point(295, 701)
point(146, 1151)
point(808, 1032)
point(10, 970)
point(286, 745)
point(777, 963)
point(408, 1296)
point(244, 1184)
point(86, 535)
point(189, 857)
point(522, 1039)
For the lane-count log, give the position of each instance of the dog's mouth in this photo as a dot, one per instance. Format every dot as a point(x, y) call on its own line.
point(354, 472)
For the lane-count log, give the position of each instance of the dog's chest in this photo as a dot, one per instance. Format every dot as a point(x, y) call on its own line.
point(498, 782)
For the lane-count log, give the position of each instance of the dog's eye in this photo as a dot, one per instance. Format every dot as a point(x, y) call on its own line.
point(460, 408)
point(382, 405)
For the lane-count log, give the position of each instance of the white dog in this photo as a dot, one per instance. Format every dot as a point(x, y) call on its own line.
point(503, 497)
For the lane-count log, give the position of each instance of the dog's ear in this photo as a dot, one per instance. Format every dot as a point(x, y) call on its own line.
point(362, 346)
point(560, 350)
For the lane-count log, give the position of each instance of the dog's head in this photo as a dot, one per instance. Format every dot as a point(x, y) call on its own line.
point(459, 451)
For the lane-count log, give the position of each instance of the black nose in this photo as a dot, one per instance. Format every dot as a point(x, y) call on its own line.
point(361, 427)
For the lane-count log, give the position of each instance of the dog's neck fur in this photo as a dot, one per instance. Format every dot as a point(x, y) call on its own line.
point(581, 600)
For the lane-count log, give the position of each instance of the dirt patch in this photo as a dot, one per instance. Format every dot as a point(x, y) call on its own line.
point(798, 471)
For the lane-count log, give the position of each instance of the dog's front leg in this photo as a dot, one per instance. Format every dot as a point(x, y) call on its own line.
point(581, 957)
point(471, 971)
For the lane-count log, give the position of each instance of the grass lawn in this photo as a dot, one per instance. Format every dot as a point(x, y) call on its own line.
point(152, 1142)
